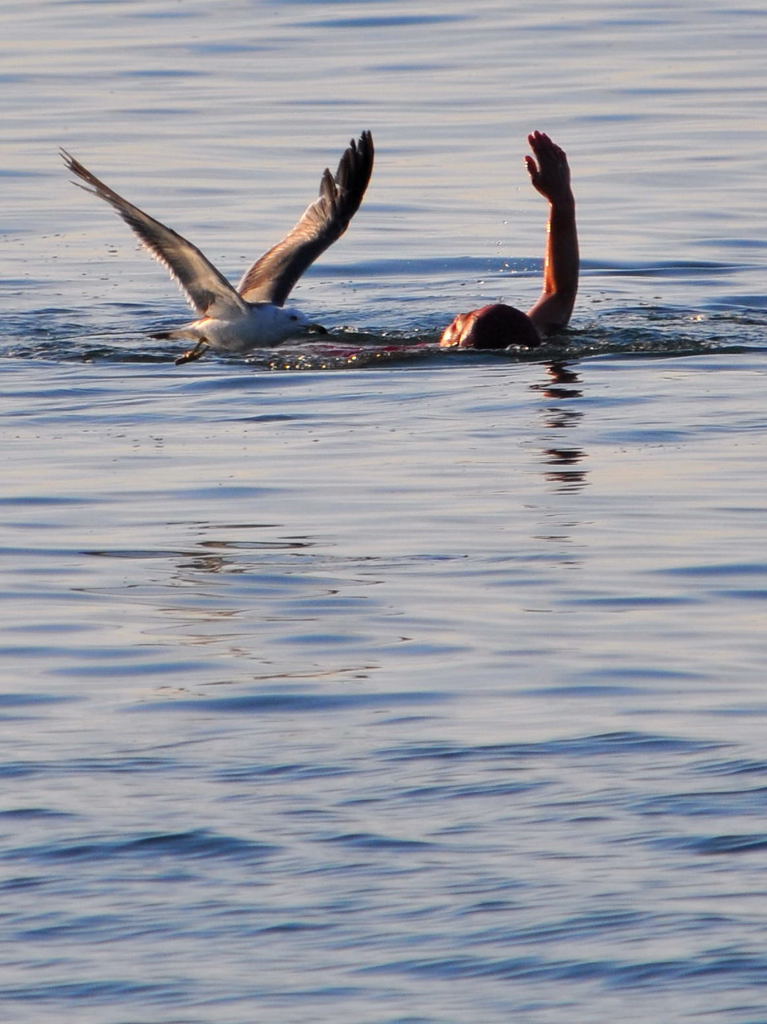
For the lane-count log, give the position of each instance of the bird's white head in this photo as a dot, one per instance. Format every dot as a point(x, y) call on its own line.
point(265, 324)
point(289, 321)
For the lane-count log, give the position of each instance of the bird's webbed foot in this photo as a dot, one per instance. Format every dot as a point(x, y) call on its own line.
point(193, 353)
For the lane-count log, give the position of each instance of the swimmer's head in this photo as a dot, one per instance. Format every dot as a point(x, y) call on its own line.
point(496, 326)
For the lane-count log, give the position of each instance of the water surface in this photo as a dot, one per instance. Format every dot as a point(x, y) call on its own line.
point(352, 684)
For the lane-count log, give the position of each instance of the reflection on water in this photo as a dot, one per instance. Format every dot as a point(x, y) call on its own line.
point(562, 417)
point(560, 374)
point(569, 479)
point(226, 559)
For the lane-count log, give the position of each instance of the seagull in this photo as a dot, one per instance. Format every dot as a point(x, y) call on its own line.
point(253, 314)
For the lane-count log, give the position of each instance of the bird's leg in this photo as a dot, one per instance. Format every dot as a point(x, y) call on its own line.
point(193, 353)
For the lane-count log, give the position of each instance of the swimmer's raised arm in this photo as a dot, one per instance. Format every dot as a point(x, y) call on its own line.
point(499, 325)
point(550, 174)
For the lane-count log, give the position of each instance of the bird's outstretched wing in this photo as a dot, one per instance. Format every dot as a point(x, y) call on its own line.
point(206, 288)
point(272, 277)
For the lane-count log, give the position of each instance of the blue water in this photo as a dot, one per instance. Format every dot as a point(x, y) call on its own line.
point(348, 683)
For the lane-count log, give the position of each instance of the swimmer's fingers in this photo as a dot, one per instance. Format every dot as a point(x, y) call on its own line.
point(532, 170)
point(549, 171)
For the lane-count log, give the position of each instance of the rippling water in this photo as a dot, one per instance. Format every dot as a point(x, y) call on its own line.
point(415, 686)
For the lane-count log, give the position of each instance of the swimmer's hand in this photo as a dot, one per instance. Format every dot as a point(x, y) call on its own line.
point(549, 170)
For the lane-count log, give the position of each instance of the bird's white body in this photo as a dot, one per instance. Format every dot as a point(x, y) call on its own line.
point(260, 325)
point(252, 315)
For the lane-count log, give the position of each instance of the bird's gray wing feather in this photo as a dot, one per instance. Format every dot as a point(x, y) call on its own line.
point(207, 290)
point(272, 277)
